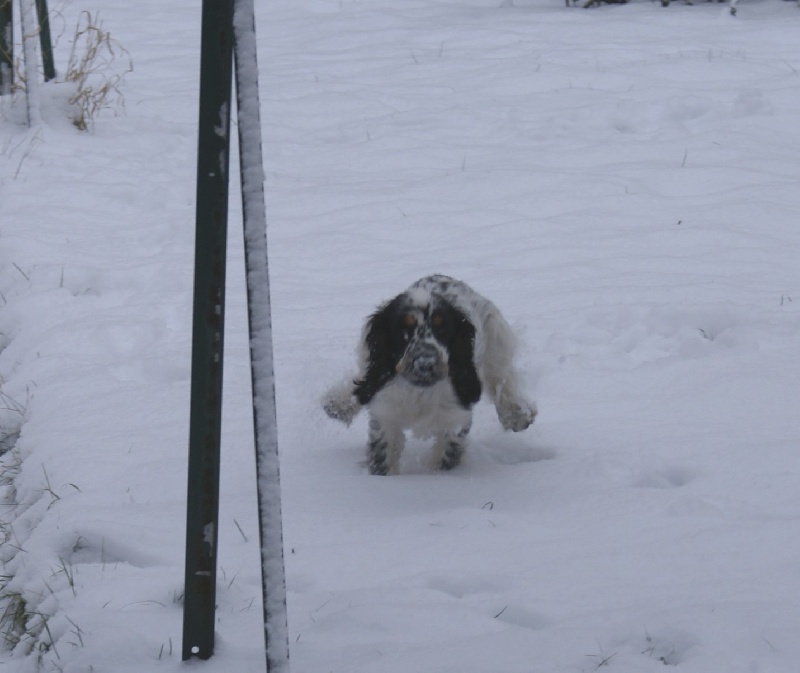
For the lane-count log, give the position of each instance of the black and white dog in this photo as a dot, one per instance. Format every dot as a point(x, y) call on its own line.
point(424, 359)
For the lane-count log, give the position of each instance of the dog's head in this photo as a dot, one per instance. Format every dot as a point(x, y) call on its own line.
point(426, 330)
point(422, 337)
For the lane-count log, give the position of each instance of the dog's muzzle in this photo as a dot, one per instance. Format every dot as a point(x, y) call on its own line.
point(422, 364)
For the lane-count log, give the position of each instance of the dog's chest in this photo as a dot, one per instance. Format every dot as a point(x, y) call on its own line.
point(427, 412)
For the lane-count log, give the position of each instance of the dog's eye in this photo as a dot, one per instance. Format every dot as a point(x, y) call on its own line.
point(409, 320)
point(437, 320)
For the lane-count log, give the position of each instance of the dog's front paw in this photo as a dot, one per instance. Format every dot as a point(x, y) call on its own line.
point(340, 404)
point(516, 415)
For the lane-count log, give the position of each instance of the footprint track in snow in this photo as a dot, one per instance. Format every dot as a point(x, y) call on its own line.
point(666, 477)
point(489, 593)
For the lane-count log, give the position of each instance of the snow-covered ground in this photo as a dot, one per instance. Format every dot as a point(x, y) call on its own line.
point(624, 182)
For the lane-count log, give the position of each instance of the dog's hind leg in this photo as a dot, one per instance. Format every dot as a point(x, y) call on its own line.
point(340, 402)
point(384, 447)
point(499, 376)
point(513, 410)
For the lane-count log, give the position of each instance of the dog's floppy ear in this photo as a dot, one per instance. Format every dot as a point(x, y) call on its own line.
point(381, 350)
point(463, 374)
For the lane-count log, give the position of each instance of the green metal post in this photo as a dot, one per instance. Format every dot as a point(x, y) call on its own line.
point(45, 41)
point(6, 46)
point(213, 156)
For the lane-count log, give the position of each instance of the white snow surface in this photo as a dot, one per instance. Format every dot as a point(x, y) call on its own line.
point(623, 182)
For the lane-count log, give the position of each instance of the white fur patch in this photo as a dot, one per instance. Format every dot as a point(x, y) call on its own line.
point(426, 412)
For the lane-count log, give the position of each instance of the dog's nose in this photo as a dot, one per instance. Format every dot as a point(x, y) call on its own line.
point(422, 366)
point(425, 363)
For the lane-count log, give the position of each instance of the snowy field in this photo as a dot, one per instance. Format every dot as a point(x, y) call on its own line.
point(624, 182)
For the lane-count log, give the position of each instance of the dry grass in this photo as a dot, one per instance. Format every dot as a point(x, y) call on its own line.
point(97, 66)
